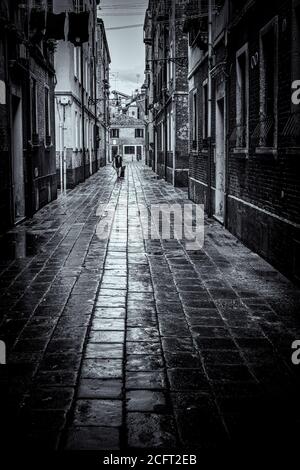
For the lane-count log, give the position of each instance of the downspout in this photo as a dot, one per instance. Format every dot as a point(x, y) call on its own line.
point(82, 112)
point(209, 110)
point(95, 64)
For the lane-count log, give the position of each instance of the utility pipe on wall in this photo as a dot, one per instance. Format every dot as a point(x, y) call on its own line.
point(209, 107)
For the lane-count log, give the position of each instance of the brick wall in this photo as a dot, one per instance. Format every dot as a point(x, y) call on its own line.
point(262, 187)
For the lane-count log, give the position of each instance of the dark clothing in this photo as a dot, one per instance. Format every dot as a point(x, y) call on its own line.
point(118, 161)
point(118, 165)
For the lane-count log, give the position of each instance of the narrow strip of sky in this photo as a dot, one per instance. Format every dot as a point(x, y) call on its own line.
point(125, 39)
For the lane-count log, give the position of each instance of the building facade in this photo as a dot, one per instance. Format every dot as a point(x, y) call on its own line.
point(102, 98)
point(127, 137)
point(167, 90)
point(81, 116)
point(244, 141)
point(27, 132)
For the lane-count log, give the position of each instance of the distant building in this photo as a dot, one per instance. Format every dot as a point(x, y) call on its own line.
point(167, 129)
point(27, 132)
point(81, 97)
point(127, 137)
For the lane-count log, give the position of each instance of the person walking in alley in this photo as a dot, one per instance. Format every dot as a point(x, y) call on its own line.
point(118, 165)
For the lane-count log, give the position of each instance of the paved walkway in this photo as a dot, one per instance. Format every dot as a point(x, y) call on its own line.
point(140, 343)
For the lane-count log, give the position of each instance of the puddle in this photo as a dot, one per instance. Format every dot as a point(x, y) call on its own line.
point(18, 245)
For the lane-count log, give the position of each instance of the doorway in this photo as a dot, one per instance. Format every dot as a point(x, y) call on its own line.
point(220, 160)
point(114, 151)
point(139, 152)
point(17, 160)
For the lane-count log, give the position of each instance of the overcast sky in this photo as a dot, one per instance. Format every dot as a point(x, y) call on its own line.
point(126, 45)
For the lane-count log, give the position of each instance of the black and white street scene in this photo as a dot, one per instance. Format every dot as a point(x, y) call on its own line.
point(150, 228)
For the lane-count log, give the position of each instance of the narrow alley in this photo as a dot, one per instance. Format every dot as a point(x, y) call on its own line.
point(127, 343)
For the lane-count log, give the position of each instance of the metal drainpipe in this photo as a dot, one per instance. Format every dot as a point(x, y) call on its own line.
point(82, 112)
point(209, 117)
point(95, 64)
point(165, 108)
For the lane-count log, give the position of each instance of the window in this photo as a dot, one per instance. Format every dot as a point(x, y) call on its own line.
point(194, 121)
point(139, 133)
point(114, 133)
point(268, 84)
point(129, 150)
point(242, 97)
point(47, 117)
point(34, 125)
point(205, 110)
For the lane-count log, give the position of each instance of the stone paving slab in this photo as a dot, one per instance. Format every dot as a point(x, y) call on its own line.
point(129, 343)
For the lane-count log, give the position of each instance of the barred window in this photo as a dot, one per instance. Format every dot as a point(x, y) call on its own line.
point(139, 133)
point(114, 133)
point(268, 84)
point(242, 97)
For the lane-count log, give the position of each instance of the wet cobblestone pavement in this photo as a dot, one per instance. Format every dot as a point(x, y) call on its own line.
point(132, 343)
